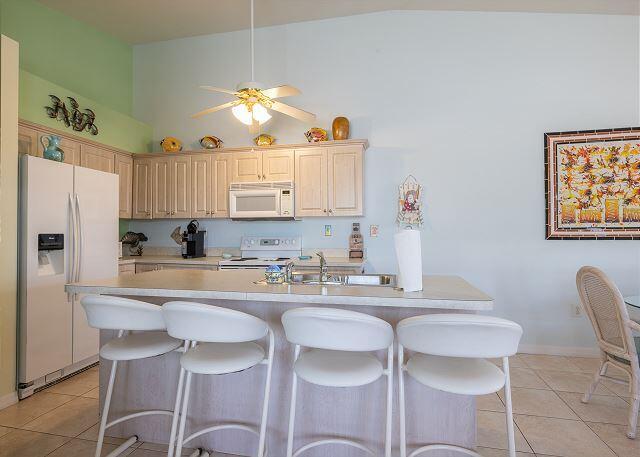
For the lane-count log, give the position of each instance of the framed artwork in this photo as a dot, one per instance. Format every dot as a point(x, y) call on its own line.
point(592, 183)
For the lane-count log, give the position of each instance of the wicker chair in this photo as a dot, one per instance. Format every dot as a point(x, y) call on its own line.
point(608, 314)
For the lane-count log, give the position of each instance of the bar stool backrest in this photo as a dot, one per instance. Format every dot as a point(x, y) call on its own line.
point(336, 329)
point(117, 313)
point(460, 335)
point(211, 324)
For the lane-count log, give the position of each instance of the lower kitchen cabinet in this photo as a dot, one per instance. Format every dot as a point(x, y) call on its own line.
point(127, 269)
point(144, 267)
point(175, 266)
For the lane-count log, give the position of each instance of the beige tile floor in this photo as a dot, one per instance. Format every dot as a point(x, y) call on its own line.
point(550, 419)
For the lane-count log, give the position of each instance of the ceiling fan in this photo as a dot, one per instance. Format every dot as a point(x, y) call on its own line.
point(253, 101)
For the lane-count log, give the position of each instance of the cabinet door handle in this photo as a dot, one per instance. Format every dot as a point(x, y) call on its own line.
point(264, 176)
point(168, 213)
point(324, 210)
point(173, 212)
point(330, 211)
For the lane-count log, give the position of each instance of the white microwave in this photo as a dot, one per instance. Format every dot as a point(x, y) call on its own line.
point(261, 200)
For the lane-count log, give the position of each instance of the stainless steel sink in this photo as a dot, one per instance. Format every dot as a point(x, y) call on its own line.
point(313, 279)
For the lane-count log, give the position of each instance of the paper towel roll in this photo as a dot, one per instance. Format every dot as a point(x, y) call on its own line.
point(409, 255)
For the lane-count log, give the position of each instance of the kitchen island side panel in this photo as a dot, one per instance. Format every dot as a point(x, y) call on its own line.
point(357, 413)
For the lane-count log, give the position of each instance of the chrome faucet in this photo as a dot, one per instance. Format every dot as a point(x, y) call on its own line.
point(288, 272)
point(324, 271)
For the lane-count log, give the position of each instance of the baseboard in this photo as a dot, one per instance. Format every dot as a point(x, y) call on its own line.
point(559, 350)
point(8, 400)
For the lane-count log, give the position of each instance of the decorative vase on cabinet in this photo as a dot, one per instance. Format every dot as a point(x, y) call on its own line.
point(340, 128)
point(52, 149)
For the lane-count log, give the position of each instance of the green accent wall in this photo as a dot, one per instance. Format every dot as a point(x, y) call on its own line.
point(115, 129)
point(70, 53)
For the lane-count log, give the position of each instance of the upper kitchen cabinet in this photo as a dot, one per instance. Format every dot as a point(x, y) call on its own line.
point(171, 192)
point(344, 181)
point(329, 181)
point(247, 167)
point(142, 189)
point(124, 169)
point(311, 182)
point(210, 177)
point(256, 166)
point(97, 158)
point(278, 165)
point(28, 141)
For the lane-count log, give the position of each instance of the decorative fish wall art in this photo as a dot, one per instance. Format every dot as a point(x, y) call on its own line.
point(72, 117)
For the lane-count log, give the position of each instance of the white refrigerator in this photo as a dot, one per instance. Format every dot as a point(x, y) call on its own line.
point(68, 232)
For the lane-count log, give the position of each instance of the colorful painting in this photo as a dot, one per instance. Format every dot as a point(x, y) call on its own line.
point(593, 184)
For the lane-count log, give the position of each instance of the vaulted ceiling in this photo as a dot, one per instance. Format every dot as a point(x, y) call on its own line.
point(144, 21)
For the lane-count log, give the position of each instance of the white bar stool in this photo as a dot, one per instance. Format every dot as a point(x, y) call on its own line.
point(450, 352)
point(339, 343)
point(115, 313)
point(220, 341)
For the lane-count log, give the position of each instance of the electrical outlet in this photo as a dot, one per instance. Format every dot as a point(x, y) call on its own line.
point(373, 231)
point(577, 310)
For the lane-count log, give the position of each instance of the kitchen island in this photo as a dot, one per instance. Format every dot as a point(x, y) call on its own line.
point(432, 416)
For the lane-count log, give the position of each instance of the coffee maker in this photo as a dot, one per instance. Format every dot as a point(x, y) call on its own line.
point(194, 241)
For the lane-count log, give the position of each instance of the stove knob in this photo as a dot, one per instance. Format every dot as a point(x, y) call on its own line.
point(277, 242)
point(253, 241)
point(286, 241)
point(293, 241)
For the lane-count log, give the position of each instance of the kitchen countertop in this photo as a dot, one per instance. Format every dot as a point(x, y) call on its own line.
point(442, 292)
point(213, 260)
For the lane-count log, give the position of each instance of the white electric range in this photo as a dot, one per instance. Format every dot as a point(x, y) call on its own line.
point(258, 252)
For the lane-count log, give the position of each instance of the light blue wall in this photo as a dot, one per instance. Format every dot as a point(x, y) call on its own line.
point(461, 101)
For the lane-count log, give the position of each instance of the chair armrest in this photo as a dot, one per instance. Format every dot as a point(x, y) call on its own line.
point(633, 325)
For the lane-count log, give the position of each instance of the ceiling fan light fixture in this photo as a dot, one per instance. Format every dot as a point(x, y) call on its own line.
point(242, 113)
point(260, 113)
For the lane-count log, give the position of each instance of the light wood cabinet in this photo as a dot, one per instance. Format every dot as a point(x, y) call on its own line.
point(255, 166)
point(311, 182)
point(247, 167)
point(329, 182)
point(220, 179)
point(210, 185)
point(201, 181)
point(28, 141)
point(142, 189)
point(124, 169)
point(97, 158)
point(345, 185)
point(71, 148)
point(127, 269)
point(181, 187)
point(144, 267)
point(171, 191)
point(278, 165)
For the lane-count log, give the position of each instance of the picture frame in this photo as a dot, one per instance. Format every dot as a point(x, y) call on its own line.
point(592, 184)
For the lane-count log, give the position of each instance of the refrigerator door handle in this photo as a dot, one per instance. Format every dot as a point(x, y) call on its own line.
point(80, 239)
point(71, 245)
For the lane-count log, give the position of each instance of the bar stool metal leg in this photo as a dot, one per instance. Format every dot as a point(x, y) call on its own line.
point(176, 408)
point(105, 409)
point(403, 434)
point(292, 407)
point(509, 407)
point(265, 401)
point(183, 411)
point(389, 373)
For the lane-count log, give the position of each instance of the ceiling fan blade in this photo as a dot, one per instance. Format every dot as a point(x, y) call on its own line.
point(214, 109)
point(218, 89)
point(281, 91)
point(293, 112)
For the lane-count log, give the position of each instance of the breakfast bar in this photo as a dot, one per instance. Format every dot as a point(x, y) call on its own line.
point(358, 413)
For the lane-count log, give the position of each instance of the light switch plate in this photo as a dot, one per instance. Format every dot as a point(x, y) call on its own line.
point(373, 231)
point(328, 230)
